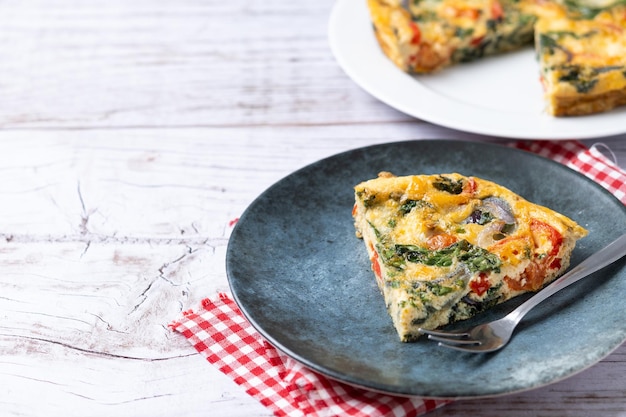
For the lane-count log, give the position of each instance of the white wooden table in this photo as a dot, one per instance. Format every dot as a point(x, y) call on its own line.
point(131, 134)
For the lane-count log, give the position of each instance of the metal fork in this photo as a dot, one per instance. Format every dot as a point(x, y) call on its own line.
point(492, 336)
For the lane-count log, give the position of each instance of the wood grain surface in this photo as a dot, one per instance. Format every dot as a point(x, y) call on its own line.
point(132, 134)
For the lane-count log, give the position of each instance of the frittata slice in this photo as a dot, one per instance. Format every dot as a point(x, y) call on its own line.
point(429, 35)
point(447, 247)
point(583, 62)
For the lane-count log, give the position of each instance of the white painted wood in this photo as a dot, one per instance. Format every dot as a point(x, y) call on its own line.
point(131, 135)
point(144, 63)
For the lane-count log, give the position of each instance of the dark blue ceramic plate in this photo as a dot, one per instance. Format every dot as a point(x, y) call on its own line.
point(303, 279)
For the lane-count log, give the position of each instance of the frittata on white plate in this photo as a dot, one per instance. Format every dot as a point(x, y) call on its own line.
point(428, 35)
point(580, 44)
point(446, 247)
point(583, 62)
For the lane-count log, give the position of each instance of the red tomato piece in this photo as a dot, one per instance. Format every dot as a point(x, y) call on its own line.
point(417, 34)
point(553, 235)
point(470, 186)
point(376, 264)
point(497, 12)
point(477, 41)
point(531, 279)
point(480, 285)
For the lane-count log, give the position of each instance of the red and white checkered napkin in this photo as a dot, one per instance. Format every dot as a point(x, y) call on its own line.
point(221, 333)
point(588, 161)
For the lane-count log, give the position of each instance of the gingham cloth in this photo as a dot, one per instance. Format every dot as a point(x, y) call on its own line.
point(588, 161)
point(223, 336)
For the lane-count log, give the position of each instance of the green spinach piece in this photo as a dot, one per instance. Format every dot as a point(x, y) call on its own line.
point(475, 258)
point(463, 32)
point(408, 205)
point(582, 81)
point(448, 185)
point(438, 289)
point(367, 198)
point(582, 9)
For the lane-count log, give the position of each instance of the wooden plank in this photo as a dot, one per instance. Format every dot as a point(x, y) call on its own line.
point(187, 63)
point(118, 184)
point(85, 329)
point(52, 379)
point(597, 391)
point(108, 185)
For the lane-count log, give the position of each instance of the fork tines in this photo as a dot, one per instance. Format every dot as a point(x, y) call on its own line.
point(449, 339)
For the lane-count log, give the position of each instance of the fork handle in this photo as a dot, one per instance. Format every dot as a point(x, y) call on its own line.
point(604, 257)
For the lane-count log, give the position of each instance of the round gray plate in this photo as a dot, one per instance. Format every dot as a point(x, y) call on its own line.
point(303, 279)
